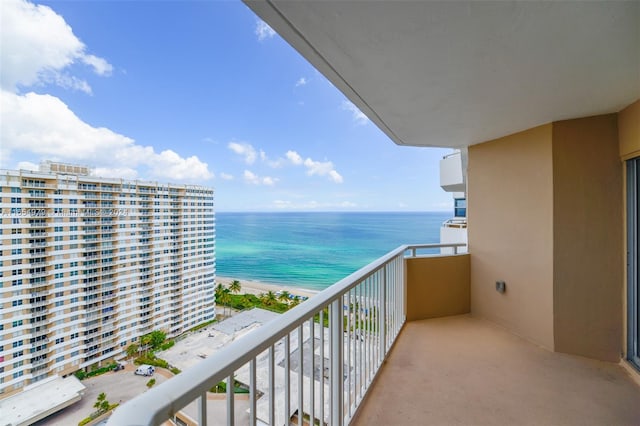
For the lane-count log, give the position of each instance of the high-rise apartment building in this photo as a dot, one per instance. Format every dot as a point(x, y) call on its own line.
point(89, 264)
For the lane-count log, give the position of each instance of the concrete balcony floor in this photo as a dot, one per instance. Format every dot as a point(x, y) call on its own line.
point(465, 371)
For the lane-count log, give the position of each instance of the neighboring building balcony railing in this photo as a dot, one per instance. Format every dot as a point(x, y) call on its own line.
point(455, 223)
point(315, 362)
point(37, 303)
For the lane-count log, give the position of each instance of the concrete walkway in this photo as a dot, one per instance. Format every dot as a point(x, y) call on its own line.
point(465, 371)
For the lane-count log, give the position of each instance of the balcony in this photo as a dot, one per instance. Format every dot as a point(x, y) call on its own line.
point(394, 353)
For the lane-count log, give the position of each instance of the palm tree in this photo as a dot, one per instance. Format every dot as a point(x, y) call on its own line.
point(235, 286)
point(269, 298)
point(145, 342)
point(219, 290)
point(224, 298)
point(294, 302)
point(284, 297)
point(132, 350)
point(101, 403)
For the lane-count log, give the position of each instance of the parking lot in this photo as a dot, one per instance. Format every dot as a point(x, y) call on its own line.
point(122, 386)
point(119, 386)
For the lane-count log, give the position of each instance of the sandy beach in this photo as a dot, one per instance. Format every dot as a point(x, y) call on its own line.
point(258, 287)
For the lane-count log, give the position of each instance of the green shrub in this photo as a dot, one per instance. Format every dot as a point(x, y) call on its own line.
point(84, 421)
point(151, 359)
point(95, 415)
point(150, 383)
point(221, 387)
point(167, 345)
point(81, 375)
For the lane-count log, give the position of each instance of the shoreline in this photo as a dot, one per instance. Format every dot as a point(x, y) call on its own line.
point(258, 287)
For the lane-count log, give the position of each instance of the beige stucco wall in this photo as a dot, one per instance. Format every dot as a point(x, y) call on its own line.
point(510, 216)
point(587, 238)
point(437, 286)
point(629, 131)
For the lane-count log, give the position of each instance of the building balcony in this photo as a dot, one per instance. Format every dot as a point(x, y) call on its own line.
point(394, 343)
point(479, 373)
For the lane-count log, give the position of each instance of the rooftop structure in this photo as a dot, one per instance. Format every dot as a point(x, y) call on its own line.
point(90, 264)
point(40, 399)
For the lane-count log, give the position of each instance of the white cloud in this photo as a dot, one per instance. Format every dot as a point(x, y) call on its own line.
point(301, 82)
point(335, 176)
point(170, 165)
point(294, 157)
point(37, 48)
point(264, 31)
point(244, 149)
point(69, 82)
point(45, 126)
point(37, 45)
point(100, 66)
point(315, 167)
point(322, 169)
point(27, 165)
point(226, 176)
point(269, 181)
point(357, 115)
point(121, 172)
point(254, 179)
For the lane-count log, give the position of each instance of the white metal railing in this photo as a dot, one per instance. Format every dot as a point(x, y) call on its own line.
point(315, 362)
point(455, 223)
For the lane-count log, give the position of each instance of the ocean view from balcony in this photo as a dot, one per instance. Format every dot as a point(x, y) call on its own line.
point(314, 250)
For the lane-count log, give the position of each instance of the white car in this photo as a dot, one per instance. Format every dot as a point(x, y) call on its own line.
point(145, 370)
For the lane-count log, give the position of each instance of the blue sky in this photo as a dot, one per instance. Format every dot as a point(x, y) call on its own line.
point(196, 92)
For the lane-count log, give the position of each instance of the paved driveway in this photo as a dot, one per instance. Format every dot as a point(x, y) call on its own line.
point(119, 386)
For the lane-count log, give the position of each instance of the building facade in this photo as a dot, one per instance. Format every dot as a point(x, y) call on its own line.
point(89, 264)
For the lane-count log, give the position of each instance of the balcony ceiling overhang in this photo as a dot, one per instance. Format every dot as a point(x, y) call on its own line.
point(457, 73)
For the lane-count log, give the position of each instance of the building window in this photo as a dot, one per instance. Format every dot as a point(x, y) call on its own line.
point(460, 207)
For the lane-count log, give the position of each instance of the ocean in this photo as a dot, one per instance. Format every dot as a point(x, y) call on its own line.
point(314, 250)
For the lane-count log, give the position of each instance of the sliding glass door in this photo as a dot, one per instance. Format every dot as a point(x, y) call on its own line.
point(633, 252)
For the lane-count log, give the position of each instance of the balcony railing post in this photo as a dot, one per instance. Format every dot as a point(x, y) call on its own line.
point(403, 291)
point(230, 400)
point(202, 409)
point(337, 343)
point(252, 393)
point(382, 327)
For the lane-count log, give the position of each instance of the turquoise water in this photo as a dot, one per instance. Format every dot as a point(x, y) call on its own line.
point(314, 250)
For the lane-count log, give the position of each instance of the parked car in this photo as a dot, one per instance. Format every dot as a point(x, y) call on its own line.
point(145, 370)
point(119, 367)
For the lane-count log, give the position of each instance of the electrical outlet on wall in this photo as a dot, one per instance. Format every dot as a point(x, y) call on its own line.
point(501, 287)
